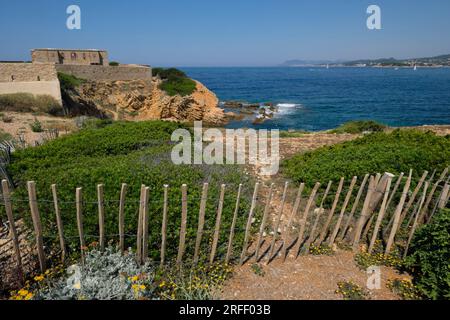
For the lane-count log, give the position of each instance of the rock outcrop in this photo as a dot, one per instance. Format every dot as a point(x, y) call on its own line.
point(142, 100)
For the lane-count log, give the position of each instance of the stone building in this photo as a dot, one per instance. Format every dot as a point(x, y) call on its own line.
point(70, 56)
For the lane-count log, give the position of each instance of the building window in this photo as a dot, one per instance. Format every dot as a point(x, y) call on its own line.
point(38, 78)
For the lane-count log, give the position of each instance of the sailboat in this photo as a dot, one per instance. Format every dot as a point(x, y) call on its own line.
point(328, 66)
point(415, 67)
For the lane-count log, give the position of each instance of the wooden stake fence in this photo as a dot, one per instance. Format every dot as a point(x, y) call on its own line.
point(378, 196)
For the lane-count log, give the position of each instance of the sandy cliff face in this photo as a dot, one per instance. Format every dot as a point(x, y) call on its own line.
point(142, 100)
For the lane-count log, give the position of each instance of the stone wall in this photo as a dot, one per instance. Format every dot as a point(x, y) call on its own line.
point(70, 57)
point(107, 73)
point(50, 88)
point(27, 72)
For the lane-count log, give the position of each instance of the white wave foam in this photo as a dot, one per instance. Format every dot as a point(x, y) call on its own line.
point(289, 105)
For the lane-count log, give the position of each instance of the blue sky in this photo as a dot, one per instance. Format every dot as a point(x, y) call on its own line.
point(227, 33)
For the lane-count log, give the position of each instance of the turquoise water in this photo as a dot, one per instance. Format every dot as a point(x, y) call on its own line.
point(320, 98)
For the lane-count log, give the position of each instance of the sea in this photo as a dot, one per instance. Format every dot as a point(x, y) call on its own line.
point(317, 98)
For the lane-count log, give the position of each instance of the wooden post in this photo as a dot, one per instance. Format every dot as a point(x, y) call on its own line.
point(430, 196)
point(164, 225)
point(59, 224)
point(123, 192)
point(36, 223)
point(298, 200)
point(312, 235)
point(217, 226)
point(397, 214)
point(145, 223)
point(79, 205)
point(354, 207)
point(263, 222)
point(12, 226)
point(364, 214)
point(444, 196)
point(233, 225)
point(416, 218)
point(140, 228)
point(323, 234)
point(341, 215)
point(311, 199)
point(201, 222)
point(101, 216)
point(183, 224)
point(413, 197)
point(396, 186)
point(249, 224)
point(277, 224)
point(380, 215)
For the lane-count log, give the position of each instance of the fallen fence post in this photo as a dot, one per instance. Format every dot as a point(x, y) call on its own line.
point(59, 223)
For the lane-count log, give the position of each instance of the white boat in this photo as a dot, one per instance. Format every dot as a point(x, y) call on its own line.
point(415, 67)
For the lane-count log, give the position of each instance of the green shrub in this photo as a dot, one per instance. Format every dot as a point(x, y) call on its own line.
point(168, 73)
point(36, 126)
point(178, 86)
point(26, 102)
point(114, 64)
point(175, 82)
point(68, 81)
point(359, 127)
point(429, 259)
point(395, 152)
point(4, 135)
point(125, 152)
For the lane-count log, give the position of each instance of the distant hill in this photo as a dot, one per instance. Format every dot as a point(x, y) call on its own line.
point(442, 60)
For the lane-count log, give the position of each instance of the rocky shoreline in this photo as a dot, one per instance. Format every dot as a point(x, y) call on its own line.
point(258, 113)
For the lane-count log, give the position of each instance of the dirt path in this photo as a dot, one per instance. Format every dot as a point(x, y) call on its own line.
point(306, 277)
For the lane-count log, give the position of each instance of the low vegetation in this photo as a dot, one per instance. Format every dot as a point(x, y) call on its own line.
point(351, 291)
point(68, 81)
point(359, 126)
point(429, 258)
point(175, 82)
point(395, 152)
point(27, 102)
point(132, 153)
